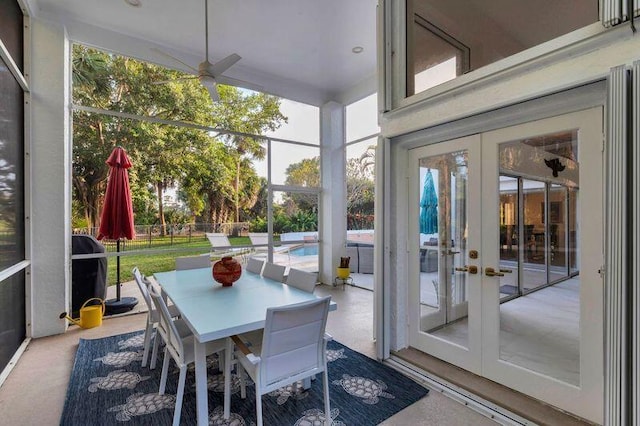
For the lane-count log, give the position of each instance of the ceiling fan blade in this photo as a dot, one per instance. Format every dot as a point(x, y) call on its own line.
point(195, 71)
point(229, 81)
point(213, 92)
point(175, 80)
point(224, 64)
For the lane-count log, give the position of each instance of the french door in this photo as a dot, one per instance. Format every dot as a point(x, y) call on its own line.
point(505, 256)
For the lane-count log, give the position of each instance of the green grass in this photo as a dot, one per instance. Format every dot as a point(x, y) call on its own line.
point(160, 262)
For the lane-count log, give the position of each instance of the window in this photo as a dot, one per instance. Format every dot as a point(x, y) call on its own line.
point(446, 39)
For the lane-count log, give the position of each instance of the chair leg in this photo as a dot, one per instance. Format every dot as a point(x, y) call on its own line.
point(327, 405)
point(154, 354)
point(147, 343)
point(177, 411)
point(165, 372)
point(243, 381)
point(258, 404)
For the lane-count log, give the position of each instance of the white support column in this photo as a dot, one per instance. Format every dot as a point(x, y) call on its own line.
point(333, 205)
point(50, 178)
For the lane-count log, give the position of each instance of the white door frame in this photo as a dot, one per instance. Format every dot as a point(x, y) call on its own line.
point(586, 399)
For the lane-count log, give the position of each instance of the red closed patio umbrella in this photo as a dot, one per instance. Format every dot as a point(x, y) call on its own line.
point(116, 221)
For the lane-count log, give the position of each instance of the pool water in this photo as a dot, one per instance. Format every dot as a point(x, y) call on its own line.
point(310, 250)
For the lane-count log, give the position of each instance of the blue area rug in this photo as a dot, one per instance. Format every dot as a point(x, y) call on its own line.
point(108, 386)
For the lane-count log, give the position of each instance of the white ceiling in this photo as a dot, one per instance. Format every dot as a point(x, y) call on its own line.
point(297, 49)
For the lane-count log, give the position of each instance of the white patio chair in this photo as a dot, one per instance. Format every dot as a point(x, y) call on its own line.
point(221, 246)
point(261, 240)
point(193, 262)
point(293, 348)
point(273, 271)
point(179, 345)
point(302, 280)
point(254, 265)
point(152, 318)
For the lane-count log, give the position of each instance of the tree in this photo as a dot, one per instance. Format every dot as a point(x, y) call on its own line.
point(249, 114)
point(165, 155)
point(306, 174)
point(360, 190)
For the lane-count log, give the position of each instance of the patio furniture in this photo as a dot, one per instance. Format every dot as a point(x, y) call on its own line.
point(293, 348)
point(302, 280)
point(206, 308)
point(273, 271)
point(254, 265)
point(179, 344)
point(152, 318)
point(193, 262)
point(260, 240)
point(221, 246)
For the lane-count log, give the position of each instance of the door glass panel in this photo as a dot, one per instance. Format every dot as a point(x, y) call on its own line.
point(443, 235)
point(540, 289)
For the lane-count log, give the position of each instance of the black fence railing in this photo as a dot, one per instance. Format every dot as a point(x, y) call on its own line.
point(153, 236)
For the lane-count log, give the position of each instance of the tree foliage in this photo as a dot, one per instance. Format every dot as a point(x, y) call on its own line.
point(213, 170)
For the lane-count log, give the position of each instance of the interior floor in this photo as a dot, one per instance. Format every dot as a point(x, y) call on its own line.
point(539, 331)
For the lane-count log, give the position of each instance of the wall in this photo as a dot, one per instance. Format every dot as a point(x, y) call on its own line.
point(50, 180)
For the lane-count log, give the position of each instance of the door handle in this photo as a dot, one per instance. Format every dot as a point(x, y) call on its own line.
point(507, 271)
point(452, 252)
point(490, 272)
point(472, 269)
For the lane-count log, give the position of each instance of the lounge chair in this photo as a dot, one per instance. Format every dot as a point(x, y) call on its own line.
point(260, 241)
point(221, 247)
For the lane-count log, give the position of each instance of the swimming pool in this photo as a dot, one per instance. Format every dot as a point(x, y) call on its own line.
point(307, 250)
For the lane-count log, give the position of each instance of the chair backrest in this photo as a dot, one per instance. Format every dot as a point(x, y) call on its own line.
point(254, 265)
point(273, 271)
point(217, 239)
point(193, 262)
point(144, 289)
point(166, 326)
point(259, 238)
point(303, 280)
point(293, 340)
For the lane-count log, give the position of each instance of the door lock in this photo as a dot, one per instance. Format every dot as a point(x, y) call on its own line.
point(490, 272)
point(473, 254)
point(472, 269)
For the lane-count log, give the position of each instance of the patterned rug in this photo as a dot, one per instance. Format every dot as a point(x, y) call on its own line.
point(108, 386)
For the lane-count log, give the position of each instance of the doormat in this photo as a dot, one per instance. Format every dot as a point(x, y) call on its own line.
point(108, 386)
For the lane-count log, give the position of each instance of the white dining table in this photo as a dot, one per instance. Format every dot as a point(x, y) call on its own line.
point(213, 312)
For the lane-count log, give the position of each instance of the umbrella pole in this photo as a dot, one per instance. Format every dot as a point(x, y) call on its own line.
point(119, 304)
point(118, 270)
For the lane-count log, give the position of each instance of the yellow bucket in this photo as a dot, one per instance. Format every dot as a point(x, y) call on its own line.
point(90, 316)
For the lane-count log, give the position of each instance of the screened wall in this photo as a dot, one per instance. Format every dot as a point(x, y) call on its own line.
point(12, 204)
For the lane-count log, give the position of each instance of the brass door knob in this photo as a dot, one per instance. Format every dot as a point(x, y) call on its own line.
point(490, 272)
point(472, 269)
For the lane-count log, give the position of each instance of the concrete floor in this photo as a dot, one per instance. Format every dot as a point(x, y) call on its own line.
point(34, 392)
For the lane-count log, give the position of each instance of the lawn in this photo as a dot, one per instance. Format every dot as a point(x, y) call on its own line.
point(159, 262)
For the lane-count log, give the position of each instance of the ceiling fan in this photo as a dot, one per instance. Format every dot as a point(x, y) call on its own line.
point(211, 74)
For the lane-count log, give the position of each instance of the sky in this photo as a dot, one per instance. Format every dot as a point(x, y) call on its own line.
point(304, 126)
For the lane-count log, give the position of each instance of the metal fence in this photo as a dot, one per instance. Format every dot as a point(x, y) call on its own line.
point(151, 236)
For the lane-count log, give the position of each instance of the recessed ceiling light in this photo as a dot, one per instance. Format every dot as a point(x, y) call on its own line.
point(357, 49)
point(134, 3)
